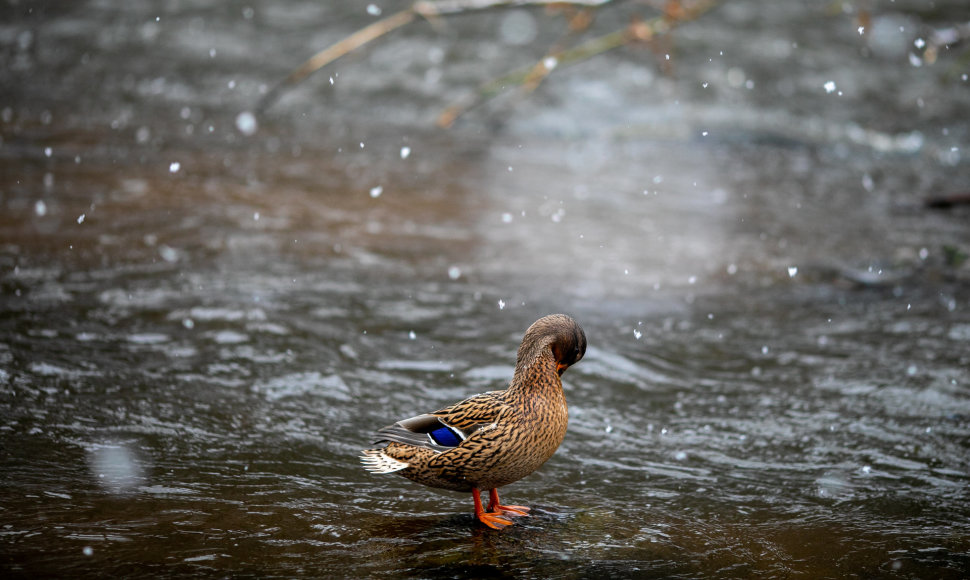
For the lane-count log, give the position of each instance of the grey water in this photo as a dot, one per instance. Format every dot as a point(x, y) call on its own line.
point(206, 312)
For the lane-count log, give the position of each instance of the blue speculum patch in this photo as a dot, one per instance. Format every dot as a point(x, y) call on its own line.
point(445, 437)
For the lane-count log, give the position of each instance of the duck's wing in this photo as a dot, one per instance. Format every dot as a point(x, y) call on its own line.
point(446, 428)
point(474, 412)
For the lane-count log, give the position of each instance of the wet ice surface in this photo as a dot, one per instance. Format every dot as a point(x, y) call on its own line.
point(776, 382)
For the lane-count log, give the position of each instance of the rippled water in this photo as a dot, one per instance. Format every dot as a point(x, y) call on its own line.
point(201, 328)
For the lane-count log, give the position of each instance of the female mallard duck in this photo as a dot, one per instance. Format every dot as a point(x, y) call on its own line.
point(492, 439)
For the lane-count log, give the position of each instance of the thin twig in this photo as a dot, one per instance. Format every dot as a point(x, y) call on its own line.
point(443, 7)
point(425, 8)
point(640, 31)
point(577, 24)
point(333, 52)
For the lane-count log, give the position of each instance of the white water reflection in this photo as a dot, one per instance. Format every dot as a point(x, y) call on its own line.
point(116, 468)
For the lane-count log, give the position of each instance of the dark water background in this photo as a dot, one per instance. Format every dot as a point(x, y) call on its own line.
point(202, 324)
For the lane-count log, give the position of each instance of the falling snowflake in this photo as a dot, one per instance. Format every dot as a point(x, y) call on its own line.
point(246, 123)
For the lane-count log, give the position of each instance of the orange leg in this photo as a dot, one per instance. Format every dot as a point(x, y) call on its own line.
point(492, 520)
point(506, 510)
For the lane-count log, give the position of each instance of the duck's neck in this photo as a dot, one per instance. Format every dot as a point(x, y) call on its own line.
point(535, 381)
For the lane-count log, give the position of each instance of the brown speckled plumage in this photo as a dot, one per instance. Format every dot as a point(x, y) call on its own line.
point(505, 435)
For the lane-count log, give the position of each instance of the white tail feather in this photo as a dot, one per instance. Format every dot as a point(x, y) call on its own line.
point(376, 461)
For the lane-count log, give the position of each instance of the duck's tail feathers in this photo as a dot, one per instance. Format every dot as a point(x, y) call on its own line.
point(376, 461)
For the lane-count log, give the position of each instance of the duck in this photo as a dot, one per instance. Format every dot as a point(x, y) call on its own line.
point(491, 439)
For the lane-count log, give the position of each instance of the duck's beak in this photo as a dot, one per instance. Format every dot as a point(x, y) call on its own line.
point(561, 368)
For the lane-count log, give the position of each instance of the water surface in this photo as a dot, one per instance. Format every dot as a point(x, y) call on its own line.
point(202, 327)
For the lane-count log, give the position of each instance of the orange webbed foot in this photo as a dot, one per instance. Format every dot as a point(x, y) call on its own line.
point(513, 511)
point(494, 521)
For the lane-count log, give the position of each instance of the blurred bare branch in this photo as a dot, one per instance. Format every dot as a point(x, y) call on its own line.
point(675, 13)
point(425, 8)
point(335, 51)
point(443, 7)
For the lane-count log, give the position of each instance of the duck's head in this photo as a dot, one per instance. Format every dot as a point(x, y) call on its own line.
point(561, 334)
